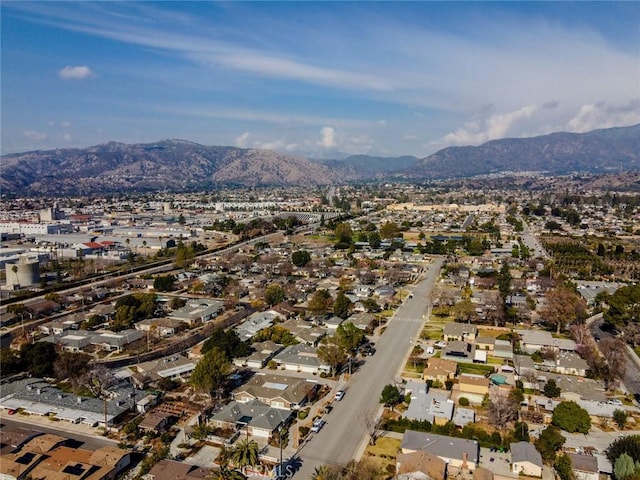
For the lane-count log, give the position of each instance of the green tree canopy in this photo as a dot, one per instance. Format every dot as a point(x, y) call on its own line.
point(39, 357)
point(331, 352)
point(549, 442)
point(551, 390)
point(343, 233)
point(320, 302)
point(342, 306)
point(301, 258)
point(228, 341)
point(273, 294)
point(211, 371)
point(164, 283)
point(624, 467)
point(564, 468)
point(349, 336)
point(629, 444)
point(390, 396)
point(571, 417)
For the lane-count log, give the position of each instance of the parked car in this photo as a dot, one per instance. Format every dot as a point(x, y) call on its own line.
point(440, 344)
point(339, 395)
point(317, 425)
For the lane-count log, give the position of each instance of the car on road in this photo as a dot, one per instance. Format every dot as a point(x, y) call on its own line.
point(318, 423)
point(615, 401)
point(371, 351)
point(339, 395)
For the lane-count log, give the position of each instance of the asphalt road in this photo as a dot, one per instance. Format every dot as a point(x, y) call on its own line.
point(535, 247)
point(82, 440)
point(631, 378)
point(346, 426)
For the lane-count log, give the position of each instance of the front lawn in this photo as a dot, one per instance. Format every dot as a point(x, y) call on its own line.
point(384, 454)
point(475, 368)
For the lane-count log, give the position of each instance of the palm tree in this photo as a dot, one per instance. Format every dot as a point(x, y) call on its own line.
point(320, 473)
point(14, 269)
point(226, 473)
point(245, 453)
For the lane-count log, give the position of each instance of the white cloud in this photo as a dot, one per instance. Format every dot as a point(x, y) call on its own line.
point(328, 137)
point(496, 126)
point(35, 135)
point(65, 124)
point(241, 140)
point(79, 72)
point(278, 145)
point(600, 115)
point(66, 137)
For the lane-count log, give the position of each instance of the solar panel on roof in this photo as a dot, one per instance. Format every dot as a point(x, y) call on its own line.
point(26, 458)
point(77, 469)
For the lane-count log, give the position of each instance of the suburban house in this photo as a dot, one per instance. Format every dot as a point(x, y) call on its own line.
point(172, 470)
point(154, 423)
point(417, 465)
point(431, 405)
point(439, 369)
point(462, 416)
point(301, 358)
point(198, 311)
point(304, 331)
point(462, 332)
point(533, 340)
point(455, 452)
point(457, 348)
point(485, 343)
point(525, 459)
point(254, 417)
point(473, 387)
point(47, 456)
point(256, 322)
point(569, 363)
point(332, 323)
point(174, 367)
point(160, 327)
point(264, 352)
point(277, 391)
point(585, 467)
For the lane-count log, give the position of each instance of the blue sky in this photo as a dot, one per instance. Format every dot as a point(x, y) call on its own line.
point(319, 79)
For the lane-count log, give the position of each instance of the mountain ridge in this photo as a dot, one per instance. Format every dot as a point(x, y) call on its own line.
point(183, 165)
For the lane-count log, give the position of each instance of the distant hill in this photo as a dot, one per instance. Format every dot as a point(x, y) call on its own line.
point(178, 165)
point(612, 149)
point(175, 165)
point(365, 167)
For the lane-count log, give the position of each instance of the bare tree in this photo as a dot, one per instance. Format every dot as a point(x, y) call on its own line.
point(580, 333)
point(563, 307)
point(613, 351)
point(99, 382)
point(502, 410)
point(373, 426)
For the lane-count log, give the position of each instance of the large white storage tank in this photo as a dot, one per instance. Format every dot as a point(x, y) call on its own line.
point(24, 273)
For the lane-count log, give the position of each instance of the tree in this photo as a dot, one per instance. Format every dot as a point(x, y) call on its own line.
point(521, 431)
point(502, 410)
point(564, 468)
point(343, 233)
point(319, 302)
point(571, 417)
point(245, 453)
point(72, 366)
point(342, 306)
point(164, 283)
point(563, 306)
point(389, 230)
point(301, 258)
point(211, 371)
point(629, 444)
point(390, 396)
point(228, 341)
point(10, 362)
point(549, 442)
point(273, 294)
point(331, 352)
point(551, 390)
point(39, 357)
point(99, 382)
point(620, 417)
point(623, 467)
point(613, 351)
point(176, 303)
point(349, 336)
point(374, 240)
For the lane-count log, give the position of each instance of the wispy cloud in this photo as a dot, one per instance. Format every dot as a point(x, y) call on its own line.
point(35, 135)
point(241, 140)
point(328, 139)
point(601, 115)
point(79, 72)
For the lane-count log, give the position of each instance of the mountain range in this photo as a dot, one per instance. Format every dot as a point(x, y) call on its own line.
point(179, 165)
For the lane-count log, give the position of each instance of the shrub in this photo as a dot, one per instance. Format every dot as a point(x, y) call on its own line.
point(463, 401)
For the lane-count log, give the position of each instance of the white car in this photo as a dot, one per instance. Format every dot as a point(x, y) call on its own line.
point(339, 395)
point(440, 344)
point(317, 425)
